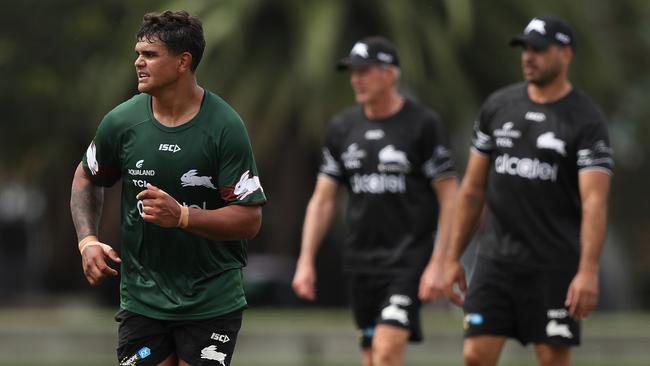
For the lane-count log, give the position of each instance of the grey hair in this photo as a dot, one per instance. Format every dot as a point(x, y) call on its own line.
point(398, 71)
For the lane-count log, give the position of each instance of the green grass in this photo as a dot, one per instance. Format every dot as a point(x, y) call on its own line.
point(299, 337)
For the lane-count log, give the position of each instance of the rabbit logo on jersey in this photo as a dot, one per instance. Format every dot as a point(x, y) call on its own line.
point(549, 141)
point(91, 158)
point(481, 140)
point(600, 154)
point(247, 185)
point(393, 160)
point(330, 166)
point(191, 179)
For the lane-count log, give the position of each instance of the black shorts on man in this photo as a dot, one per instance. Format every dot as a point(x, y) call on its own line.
point(385, 299)
point(145, 341)
point(520, 303)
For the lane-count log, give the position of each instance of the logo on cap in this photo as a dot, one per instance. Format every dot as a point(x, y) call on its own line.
point(384, 57)
point(536, 25)
point(360, 49)
point(563, 38)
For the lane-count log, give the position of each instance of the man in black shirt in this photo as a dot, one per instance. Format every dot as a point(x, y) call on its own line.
point(393, 157)
point(541, 163)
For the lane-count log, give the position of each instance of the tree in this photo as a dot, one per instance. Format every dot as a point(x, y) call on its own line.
point(66, 63)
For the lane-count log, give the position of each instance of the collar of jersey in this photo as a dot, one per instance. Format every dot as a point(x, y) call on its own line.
point(182, 127)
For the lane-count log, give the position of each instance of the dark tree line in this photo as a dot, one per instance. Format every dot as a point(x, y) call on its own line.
point(66, 63)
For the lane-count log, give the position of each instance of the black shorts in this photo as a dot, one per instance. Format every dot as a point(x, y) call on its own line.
point(524, 304)
point(145, 341)
point(385, 299)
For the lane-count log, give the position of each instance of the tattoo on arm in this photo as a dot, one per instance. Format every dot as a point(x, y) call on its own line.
point(86, 201)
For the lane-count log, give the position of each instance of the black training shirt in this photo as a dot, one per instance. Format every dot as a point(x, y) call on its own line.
point(536, 151)
point(388, 166)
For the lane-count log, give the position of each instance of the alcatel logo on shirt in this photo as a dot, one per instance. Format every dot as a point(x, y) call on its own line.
point(169, 147)
point(525, 168)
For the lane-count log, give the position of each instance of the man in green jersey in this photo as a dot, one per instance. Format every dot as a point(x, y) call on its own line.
point(191, 197)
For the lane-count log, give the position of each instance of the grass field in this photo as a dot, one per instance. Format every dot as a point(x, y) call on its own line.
point(299, 337)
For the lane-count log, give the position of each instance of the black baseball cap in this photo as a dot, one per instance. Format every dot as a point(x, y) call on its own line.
point(542, 31)
point(370, 51)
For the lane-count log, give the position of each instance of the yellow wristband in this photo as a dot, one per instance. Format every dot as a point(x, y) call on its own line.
point(184, 218)
point(85, 241)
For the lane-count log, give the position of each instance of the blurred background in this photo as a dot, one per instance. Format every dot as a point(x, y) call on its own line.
point(66, 63)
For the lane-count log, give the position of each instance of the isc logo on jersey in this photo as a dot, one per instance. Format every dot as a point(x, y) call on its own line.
point(535, 116)
point(169, 147)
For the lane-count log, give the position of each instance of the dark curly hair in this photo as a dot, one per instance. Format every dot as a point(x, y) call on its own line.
point(179, 31)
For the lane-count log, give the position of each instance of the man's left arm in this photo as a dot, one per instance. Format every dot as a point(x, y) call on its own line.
point(582, 295)
point(432, 281)
point(233, 222)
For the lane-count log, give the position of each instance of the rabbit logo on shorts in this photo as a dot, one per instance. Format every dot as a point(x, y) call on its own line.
point(210, 353)
point(395, 310)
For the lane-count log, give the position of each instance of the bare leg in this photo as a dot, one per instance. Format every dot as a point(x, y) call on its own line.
point(366, 357)
point(482, 350)
point(552, 355)
point(388, 345)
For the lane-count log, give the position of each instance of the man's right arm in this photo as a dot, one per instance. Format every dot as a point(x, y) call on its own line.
point(86, 201)
point(468, 208)
point(318, 218)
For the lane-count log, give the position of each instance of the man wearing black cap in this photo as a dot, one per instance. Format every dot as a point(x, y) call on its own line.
point(393, 157)
point(541, 163)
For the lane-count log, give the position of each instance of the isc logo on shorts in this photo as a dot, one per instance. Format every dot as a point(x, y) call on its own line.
point(220, 337)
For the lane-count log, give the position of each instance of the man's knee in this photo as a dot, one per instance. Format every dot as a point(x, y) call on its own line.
point(388, 346)
point(385, 354)
point(472, 357)
point(482, 350)
point(548, 355)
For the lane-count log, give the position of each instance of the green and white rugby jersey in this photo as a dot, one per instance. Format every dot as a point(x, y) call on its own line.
point(205, 163)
